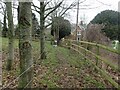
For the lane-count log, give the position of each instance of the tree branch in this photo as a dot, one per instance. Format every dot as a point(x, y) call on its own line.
point(35, 8)
point(48, 25)
point(35, 5)
point(47, 3)
point(53, 9)
point(36, 11)
point(71, 5)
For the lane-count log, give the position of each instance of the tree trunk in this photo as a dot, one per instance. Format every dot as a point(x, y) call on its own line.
point(4, 32)
point(25, 47)
point(10, 36)
point(42, 34)
point(0, 28)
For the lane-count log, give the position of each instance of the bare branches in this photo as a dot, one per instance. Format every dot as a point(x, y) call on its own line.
point(48, 25)
point(54, 9)
point(2, 7)
point(71, 6)
point(35, 8)
point(82, 2)
point(49, 8)
point(47, 3)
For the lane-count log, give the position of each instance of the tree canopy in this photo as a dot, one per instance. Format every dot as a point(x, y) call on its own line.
point(61, 24)
point(111, 21)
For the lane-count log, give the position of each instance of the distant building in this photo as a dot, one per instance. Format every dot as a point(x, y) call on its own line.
point(80, 29)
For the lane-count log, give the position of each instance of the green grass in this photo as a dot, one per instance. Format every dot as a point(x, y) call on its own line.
point(51, 62)
point(92, 82)
point(4, 42)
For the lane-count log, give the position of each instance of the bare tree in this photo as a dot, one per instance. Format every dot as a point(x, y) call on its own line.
point(5, 30)
point(42, 36)
point(25, 47)
point(10, 35)
point(43, 16)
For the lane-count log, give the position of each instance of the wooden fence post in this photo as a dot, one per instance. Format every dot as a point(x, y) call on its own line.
point(85, 50)
point(98, 53)
point(69, 44)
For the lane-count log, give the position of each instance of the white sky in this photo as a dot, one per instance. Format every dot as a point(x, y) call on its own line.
point(88, 14)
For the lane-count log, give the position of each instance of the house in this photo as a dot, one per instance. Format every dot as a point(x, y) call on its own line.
point(78, 31)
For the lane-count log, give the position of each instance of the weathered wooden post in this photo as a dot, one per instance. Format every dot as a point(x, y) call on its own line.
point(85, 51)
point(97, 51)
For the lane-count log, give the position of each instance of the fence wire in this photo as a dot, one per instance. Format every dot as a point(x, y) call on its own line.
point(21, 75)
point(17, 77)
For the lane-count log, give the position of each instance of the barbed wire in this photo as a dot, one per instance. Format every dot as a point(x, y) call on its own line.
point(28, 83)
point(17, 77)
point(21, 75)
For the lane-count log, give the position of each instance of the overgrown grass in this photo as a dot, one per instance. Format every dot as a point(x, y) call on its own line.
point(5, 43)
point(51, 62)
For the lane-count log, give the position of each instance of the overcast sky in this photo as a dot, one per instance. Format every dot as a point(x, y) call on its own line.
point(85, 12)
point(97, 5)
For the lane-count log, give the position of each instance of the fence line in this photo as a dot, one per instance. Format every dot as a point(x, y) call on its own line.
point(105, 61)
point(102, 46)
point(96, 44)
point(28, 84)
point(20, 76)
point(17, 77)
point(103, 72)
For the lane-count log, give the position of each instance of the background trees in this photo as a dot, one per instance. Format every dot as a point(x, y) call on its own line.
point(5, 29)
point(44, 13)
point(111, 22)
point(35, 26)
point(60, 28)
point(10, 35)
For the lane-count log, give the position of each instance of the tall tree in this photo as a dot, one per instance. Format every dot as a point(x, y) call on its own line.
point(5, 30)
point(25, 47)
point(42, 36)
point(42, 23)
point(60, 28)
point(10, 35)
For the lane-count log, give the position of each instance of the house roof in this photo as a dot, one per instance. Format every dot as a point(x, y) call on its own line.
point(80, 28)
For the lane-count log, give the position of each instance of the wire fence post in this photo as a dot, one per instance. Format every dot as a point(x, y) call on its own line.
point(98, 53)
point(85, 51)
